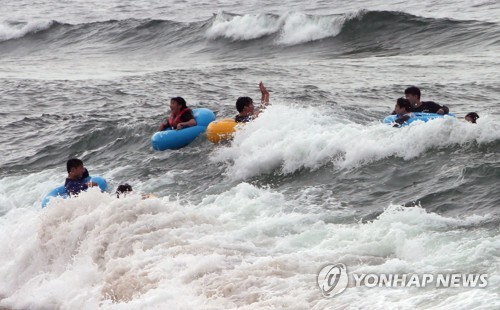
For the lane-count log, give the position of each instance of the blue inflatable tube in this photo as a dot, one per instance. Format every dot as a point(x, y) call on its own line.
point(417, 116)
point(176, 139)
point(61, 190)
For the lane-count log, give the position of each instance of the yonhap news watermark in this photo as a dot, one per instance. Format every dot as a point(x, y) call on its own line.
point(333, 279)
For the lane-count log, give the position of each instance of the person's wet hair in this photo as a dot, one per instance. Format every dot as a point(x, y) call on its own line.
point(473, 116)
point(180, 101)
point(242, 102)
point(123, 189)
point(73, 163)
point(413, 90)
point(404, 103)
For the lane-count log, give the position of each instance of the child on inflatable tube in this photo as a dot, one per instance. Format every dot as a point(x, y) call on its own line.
point(402, 109)
point(180, 117)
point(77, 173)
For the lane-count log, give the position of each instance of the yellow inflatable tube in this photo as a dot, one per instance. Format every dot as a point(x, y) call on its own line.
point(221, 130)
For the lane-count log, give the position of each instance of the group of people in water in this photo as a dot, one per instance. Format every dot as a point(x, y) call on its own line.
point(182, 117)
point(78, 180)
point(411, 103)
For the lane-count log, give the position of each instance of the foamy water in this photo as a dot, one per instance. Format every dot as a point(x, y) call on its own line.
point(129, 253)
point(293, 28)
point(268, 144)
point(8, 32)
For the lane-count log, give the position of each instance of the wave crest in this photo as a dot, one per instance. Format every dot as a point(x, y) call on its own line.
point(289, 29)
point(368, 32)
point(269, 145)
point(10, 31)
point(246, 27)
point(301, 28)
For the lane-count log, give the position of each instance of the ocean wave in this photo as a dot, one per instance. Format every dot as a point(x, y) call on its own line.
point(289, 29)
point(300, 28)
point(246, 27)
point(130, 251)
point(10, 31)
point(111, 32)
point(269, 145)
point(372, 32)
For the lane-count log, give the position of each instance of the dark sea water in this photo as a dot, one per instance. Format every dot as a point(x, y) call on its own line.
point(317, 179)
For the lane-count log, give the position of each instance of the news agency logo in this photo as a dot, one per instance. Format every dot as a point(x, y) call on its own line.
point(333, 280)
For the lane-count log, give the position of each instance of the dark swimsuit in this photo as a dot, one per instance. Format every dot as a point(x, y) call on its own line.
point(74, 187)
point(243, 119)
point(429, 107)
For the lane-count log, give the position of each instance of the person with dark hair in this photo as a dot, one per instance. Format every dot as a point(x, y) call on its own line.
point(77, 173)
point(471, 117)
point(180, 117)
point(123, 189)
point(402, 109)
point(245, 107)
point(412, 93)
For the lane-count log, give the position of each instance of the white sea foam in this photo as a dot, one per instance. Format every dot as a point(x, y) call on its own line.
point(291, 29)
point(311, 139)
point(247, 247)
point(245, 27)
point(22, 191)
point(8, 32)
point(300, 28)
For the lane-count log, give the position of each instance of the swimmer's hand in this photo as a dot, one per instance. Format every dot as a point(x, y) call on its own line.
point(265, 94)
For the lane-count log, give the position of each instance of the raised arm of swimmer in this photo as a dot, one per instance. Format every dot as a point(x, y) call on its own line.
point(265, 94)
point(246, 109)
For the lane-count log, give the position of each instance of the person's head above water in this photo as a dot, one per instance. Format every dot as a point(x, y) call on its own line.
point(123, 189)
point(412, 93)
point(244, 105)
point(471, 117)
point(402, 106)
point(177, 104)
point(75, 168)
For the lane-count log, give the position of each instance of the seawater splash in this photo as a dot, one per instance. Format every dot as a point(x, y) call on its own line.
point(245, 247)
point(246, 27)
point(291, 29)
point(300, 28)
point(311, 139)
point(10, 31)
